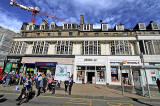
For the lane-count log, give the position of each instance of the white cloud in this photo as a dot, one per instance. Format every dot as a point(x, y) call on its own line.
point(10, 22)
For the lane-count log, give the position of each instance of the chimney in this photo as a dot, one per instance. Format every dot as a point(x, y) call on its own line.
point(81, 19)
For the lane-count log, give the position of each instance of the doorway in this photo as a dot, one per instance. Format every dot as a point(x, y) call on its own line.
point(90, 75)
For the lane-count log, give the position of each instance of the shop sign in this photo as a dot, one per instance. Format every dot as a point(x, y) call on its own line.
point(14, 60)
point(89, 59)
point(47, 64)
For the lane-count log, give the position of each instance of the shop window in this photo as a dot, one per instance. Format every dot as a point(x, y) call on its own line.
point(114, 74)
point(100, 76)
point(80, 76)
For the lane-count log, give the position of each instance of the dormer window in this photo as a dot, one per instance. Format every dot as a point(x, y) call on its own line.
point(52, 27)
point(30, 27)
point(104, 27)
point(142, 26)
point(155, 26)
point(86, 27)
point(42, 27)
point(119, 27)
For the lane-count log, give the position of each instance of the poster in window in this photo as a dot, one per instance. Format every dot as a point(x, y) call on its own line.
point(114, 70)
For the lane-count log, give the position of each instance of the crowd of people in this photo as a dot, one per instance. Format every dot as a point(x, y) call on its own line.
point(41, 81)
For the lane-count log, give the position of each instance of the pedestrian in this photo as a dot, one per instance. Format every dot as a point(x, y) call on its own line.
point(66, 83)
point(158, 84)
point(44, 83)
point(8, 78)
point(25, 92)
point(40, 84)
point(70, 85)
point(53, 85)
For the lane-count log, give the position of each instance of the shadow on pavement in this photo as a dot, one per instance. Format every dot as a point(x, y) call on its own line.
point(3, 100)
point(136, 100)
point(1, 96)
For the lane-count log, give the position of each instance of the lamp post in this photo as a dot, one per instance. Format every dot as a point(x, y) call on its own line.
point(142, 59)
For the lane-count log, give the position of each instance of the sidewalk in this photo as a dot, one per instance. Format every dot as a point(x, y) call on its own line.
point(92, 91)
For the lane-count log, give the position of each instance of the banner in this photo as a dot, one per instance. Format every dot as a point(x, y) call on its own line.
point(63, 72)
point(8, 67)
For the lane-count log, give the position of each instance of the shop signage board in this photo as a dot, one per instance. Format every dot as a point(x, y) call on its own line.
point(8, 67)
point(46, 64)
point(63, 72)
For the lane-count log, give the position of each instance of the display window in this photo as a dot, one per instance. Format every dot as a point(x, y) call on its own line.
point(114, 74)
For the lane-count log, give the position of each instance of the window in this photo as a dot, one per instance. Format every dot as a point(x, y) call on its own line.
point(105, 34)
point(69, 26)
point(157, 47)
point(120, 48)
point(40, 47)
point(91, 48)
point(74, 26)
point(115, 34)
point(64, 47)
point(114, 74)
point(125, 34)
point(59, 33)
point(96, 34)
point(48, 34)
point(18, 47)
point(52, 26)
point(38, 34)
point(86, 27)
point(42, 27)
point(78, 33)
point(70, 33)
point(30, 27)
point(155, 26)
point(142, 26)
point(85, 33)
point(24, 34)
point(104, 27)
point(119, 27)
point(65, 26)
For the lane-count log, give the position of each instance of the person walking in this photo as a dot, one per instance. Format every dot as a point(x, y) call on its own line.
point(40, 84)
point(25, 92)
point(53, 84)
point(44, 83)
point(70, 85)
point(158, 84)
point(8, 78)
point(66, 83)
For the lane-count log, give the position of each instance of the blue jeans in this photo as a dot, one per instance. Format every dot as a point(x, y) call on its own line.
point(7, 82)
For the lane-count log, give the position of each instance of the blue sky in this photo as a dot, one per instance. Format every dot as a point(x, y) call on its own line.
point(127, 12)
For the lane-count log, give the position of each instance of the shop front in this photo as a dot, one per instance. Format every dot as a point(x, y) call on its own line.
point(122, 68)
point(154, 73)
point(90, 69)
point(47, 65)
point(12, 64)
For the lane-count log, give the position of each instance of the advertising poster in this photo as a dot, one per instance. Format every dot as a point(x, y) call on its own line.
point(63, 72)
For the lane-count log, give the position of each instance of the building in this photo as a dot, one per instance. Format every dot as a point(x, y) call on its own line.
point(101, 56)
point(6, 39)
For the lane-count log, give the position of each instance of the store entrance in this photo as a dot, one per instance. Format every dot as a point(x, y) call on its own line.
point(90, 76)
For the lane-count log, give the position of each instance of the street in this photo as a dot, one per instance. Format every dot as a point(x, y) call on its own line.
point(9, 99)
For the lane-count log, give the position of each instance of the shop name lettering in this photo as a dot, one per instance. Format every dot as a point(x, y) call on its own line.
point(61, 75)
point(90, 59)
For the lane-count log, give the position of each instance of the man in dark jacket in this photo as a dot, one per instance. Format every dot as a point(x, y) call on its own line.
point(158, 84)
point(66, 83)
point(70, 85)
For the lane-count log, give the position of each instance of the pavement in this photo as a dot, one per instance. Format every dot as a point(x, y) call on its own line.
point(91, 91)
point(82, 95)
